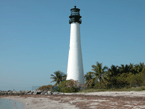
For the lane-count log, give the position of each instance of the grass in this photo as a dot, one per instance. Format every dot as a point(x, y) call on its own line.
point(141, 88)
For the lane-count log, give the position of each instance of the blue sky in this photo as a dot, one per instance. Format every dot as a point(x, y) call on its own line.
point(34, 37)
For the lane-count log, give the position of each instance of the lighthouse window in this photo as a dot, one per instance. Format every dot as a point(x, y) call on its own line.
point(73, 19)
point(75, 13)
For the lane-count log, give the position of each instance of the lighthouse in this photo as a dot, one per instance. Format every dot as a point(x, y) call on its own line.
point(75, 63)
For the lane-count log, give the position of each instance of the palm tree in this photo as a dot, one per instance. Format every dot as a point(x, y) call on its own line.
point(58, 77)
point(99, 71)
point(124, 68)
point(89, 77)
point(139, 67)
point(114, 71)
point(132, 69)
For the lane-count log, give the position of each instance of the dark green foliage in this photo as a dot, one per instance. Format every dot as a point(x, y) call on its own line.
point(114, 71)
point(122, 79)
point(90, 80)
point(47, 87)
point(143, 76)
point(55, 89)
point(102, 85)
point(116, 76)
point(58, 77)
point(99, 72)
point(69, 86)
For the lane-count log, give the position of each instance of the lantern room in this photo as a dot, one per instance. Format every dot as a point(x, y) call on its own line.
point(75, 15)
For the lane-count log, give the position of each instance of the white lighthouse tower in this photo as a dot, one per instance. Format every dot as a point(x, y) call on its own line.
point(75, 63)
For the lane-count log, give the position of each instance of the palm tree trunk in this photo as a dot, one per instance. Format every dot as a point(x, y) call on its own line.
point(100, 83)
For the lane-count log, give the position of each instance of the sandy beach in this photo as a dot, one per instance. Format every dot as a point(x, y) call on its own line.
point(40, 102)
point(93, 100)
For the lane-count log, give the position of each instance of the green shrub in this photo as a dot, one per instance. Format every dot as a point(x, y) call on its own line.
point(103, 86)
point(69, 86)
point(47, 87)
point(136, 80)
point(142, 87)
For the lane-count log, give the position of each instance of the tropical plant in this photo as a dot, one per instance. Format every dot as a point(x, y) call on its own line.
point(122, 80)
point(132, 69)
point(45, 87)
point(99, 72)
point(124, 69)
point(139, 67)
point(58, 77)
point(114, 71)
point(69, 86)
point(89, 79)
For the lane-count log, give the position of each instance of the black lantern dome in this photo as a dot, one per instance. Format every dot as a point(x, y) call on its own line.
point(75, 15)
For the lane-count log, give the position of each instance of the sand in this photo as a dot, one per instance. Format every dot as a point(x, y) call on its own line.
point(40, 102)
point(93, 100)
point(121, 93)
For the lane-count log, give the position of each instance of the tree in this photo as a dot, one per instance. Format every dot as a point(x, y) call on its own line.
point(132, 69)
point(114, 71)
point(58, 77)
point(139, 67)
point(124, 68)
point(89, 78)
point(99, 71)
